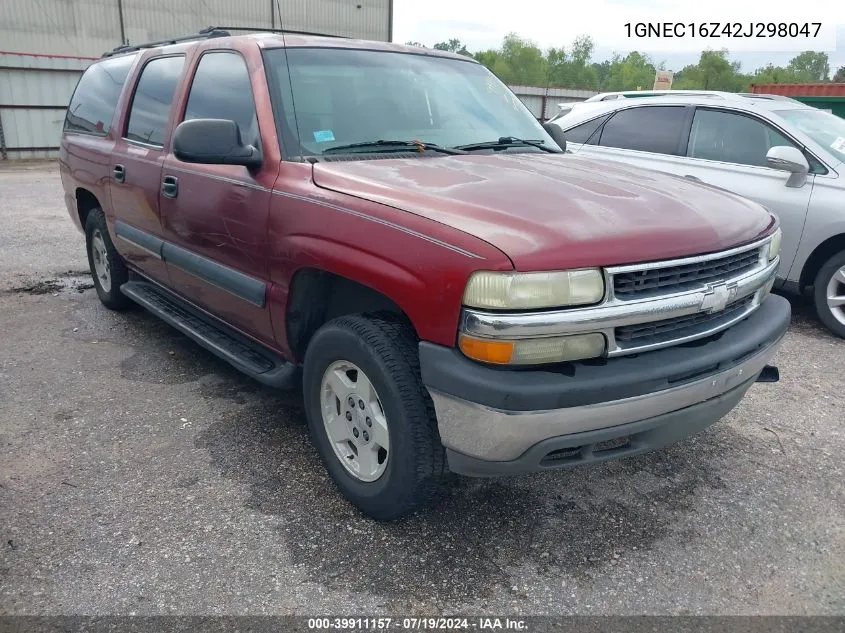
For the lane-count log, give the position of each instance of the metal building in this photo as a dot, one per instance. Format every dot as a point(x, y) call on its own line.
point(46, 44)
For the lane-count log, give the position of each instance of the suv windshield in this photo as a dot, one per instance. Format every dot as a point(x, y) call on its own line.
point(824, 128)
point(337, 97)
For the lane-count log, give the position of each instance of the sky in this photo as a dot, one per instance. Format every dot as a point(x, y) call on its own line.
point(482, 24)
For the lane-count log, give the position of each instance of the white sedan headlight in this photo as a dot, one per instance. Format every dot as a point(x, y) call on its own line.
point(517, 291)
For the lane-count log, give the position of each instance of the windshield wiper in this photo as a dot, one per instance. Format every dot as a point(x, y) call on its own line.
point(508, 141)
point(392, 146)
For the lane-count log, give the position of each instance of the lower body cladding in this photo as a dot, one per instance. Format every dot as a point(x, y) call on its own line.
point(496, 421)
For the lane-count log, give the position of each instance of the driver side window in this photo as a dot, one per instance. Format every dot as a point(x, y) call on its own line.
point(221, 90)
point(732, 138)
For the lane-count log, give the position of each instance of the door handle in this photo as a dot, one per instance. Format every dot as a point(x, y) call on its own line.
point(170, 186)
point(693, 178)
point(119, 173)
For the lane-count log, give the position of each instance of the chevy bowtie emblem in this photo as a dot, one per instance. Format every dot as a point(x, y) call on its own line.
point(718, 296)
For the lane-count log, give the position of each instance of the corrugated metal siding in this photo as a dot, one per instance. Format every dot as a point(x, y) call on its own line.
point(44, 80)
point(542, 102)
point(88, 28)
point(34, 92)
point(801, 90)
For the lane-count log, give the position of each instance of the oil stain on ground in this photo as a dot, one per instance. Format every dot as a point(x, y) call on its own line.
point(466, 543)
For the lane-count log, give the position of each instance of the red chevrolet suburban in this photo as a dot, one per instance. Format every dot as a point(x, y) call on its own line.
point(390, 226)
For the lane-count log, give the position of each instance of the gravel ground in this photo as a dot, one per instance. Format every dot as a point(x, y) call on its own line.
point(139, 474)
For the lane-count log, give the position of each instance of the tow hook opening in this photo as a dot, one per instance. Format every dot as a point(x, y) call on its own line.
point(770, 373)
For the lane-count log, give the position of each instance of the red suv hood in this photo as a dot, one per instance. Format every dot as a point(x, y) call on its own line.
point(556, 211)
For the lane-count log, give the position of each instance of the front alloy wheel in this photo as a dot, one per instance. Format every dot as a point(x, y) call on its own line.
point(370, 416)
point(354, 420)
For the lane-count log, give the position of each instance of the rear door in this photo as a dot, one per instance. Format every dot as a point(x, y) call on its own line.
point(215, 216)
point(136, 163)
point(649, 137)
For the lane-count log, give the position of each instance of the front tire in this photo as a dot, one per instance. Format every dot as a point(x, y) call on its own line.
point(829, 294)
point(107, 267)
point(370, 417)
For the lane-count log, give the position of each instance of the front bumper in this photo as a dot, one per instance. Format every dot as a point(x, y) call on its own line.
point(501, 421)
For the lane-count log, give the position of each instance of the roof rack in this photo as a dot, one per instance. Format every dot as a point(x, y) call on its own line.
point(208, 33)
point(266, 30)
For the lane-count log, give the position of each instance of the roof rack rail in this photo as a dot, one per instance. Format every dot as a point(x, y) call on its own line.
point(211, 31)
point(266, 30)
point(207, 33)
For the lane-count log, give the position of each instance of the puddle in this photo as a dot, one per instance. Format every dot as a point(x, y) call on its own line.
point(71, 281)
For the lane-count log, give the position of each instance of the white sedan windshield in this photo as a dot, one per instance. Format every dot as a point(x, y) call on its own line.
point(824, 128)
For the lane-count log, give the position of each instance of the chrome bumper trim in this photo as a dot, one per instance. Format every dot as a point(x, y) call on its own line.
point(496, 435)
point(604, 318)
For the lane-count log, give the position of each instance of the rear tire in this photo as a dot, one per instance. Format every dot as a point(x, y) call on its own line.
point(361, 373)
point(107, 267)
point(829, 294)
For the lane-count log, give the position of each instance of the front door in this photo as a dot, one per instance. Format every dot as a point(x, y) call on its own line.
point(215, 216)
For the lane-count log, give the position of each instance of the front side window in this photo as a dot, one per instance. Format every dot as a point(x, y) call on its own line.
point(221, 90)
point(732, 138)
point(655, 129)
point(94, 101)
point(151, 104)
point(338, 96)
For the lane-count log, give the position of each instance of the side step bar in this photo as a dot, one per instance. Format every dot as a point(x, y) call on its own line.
point(246, 355)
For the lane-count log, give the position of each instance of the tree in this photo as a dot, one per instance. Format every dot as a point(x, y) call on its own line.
point(518, 61)
point(572, 69)
point(453, 45)
point(602, 70)
point(414, 44)
point(712, 72)
point(810, 66)
point(635, 71)
point(840, 75)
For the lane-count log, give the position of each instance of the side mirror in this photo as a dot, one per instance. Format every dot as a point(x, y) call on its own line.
point(213, 142)
point(557, 134)
point(789, 159)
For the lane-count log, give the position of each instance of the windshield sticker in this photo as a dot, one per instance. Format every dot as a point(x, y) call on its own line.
point(323, 136)
point(839, 144)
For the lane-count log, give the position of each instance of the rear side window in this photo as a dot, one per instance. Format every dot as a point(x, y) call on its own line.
point(153, 96)
point(655, 129)
point(586, 132)
point(94, 101)
point(221, 90)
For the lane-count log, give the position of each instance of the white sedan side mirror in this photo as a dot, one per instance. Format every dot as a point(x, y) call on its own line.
point(789, 159)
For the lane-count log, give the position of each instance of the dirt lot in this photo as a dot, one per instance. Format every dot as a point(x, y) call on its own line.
point(138, 474)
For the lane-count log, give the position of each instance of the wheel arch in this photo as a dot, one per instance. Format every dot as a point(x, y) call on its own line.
point(824, 251)
point(316, 296)
point(85, 202)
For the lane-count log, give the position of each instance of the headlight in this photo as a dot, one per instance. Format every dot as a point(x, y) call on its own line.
point(513, 291)
point(774, 245)
point(535, 351)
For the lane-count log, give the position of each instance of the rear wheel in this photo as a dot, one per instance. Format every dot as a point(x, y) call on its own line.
point(107, 267)
point(371, 419)
point(829, 294)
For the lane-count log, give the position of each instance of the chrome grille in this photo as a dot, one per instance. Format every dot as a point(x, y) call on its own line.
point(639, 283)
point(681, 327)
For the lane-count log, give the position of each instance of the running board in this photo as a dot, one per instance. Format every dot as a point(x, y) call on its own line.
point(246, 355)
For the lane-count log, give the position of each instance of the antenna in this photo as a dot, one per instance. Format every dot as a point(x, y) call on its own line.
point(290, 80)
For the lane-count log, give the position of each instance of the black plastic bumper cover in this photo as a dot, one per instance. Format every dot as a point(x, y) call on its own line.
point(582, 383)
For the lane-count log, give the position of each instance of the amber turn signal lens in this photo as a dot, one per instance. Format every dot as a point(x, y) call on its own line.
point(485, 350)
